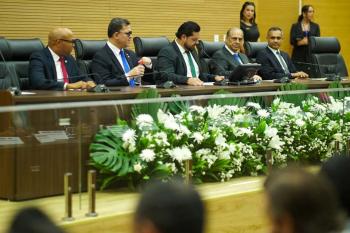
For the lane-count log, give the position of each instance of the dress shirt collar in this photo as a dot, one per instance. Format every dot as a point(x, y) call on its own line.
point(114, 49)
point(55, 57)
point(182, 50)
point(228, 49)
point(274, 50)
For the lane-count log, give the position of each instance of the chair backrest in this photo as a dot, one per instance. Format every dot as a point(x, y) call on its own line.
point(252, 49)
point(84, 52)
point(326, 58)
point(18, 56)
point(8, 76)
point(150, 47)
point(206, 50)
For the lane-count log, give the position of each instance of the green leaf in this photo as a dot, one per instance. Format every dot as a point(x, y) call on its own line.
point(227, 101)
point(148, 108)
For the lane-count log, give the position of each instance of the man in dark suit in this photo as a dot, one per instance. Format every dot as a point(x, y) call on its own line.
point(276, 64)
point(179, 62)
point(54, 68)
point(226, 60)
point(116, 65)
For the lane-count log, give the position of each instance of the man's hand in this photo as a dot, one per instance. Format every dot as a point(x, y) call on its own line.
point(304, 41)
point(300, 75)
point(256, 78)
point(194, 82)
point(136, 71)
point(77, 85)
point(90, 84)
point(219, 78)
point(145, 61)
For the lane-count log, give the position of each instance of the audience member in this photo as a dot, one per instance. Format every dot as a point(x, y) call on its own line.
point(53, 68)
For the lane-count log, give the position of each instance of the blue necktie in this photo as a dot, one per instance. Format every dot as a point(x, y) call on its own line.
point(237, 58)
point(126, 67)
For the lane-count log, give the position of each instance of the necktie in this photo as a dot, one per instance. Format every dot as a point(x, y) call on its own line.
point(193, 70)
point(126, 67)
point(64, 70)
point(282, 62)
point(237, 58)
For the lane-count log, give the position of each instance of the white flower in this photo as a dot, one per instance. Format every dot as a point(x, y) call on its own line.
point(220, 140)
point(338, 137)
point(147, 155)
point(263, 113)
point(196, 108)
point(137, 167)
point(276, 143)
point(129, 136)
point(180, 154)
point(168, 120)
point(270, 132)
point(300, 122)
point(172, 166)
point(144, 120)
point(242, 131)
point(224, 155)
point(335, 107)
point(254, 105)
point(198, 137)
point(184, 130)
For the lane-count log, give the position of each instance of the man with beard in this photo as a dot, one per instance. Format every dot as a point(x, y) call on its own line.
point(179, 62)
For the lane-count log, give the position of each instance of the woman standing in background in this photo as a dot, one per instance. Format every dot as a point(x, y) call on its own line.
point(299, 38)
point(248, 25)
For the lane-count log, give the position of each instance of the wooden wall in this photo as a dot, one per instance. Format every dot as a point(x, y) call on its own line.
point(89, 18)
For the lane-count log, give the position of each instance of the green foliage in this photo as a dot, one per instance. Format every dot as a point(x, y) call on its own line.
point(227, 101)
point(296, 99)
point(148, 108)
point(176, 107)
point(337, 94)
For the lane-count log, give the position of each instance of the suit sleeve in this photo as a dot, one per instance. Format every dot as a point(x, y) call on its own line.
point(220, 65)
point(294, 37)
point(104, 69)
point(318, 32)
point(167, 66)
point(37, 76)
point(267, 71)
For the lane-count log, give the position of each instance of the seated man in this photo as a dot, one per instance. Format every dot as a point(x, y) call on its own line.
point(276, 64)
point(54, 68)
point(225, 60)
point(116, 65)
point(172, 207)
point(179, 62)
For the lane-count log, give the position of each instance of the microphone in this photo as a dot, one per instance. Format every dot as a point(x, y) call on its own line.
point(330, 72)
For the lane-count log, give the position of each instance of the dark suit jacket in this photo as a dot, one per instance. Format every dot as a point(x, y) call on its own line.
point(172, 66)
point(223, 63)
point(270, 66)
point(42, 71)
point(110, 71)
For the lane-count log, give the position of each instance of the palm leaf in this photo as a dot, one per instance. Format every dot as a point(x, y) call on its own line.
point(227, 101)
point(148, 108)
point(178, 106)
point(337, 94)
point(294, 99)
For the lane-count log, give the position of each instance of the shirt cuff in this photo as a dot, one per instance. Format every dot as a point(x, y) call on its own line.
point(149, 66)
point(65, 86)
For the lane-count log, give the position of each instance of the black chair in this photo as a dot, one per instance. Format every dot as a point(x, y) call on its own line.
point(326, 58)
point(84, 52)
point(206, 50)
point(150, 47)
point(8, 76)
point(18, 56)
point(252, 49)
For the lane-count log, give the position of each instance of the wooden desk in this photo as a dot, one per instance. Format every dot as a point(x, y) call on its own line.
point(33, 170)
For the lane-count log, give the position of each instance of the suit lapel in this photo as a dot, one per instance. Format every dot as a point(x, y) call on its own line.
point(273, 59)
point(196, 58)
point(128, 58)
point(51, 63)
point(179, 54)
point(229, 57)
point(113, 58)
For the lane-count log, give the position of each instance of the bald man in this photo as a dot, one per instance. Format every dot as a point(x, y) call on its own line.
point(54, 68)
point(229, 57)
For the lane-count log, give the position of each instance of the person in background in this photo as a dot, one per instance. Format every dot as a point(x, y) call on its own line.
point(179, 62)
point(32, 220)
point(53, 68)
point(229, 57)
point(247, 23)
point(276, 64)
point(171, 207)
point(299, 38)
point(115, 64)
point(337, 170)
point(300, 202)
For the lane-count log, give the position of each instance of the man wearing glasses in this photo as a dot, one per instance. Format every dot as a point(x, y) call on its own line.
point(116, 65)
point(179, 61)
point(54, 68)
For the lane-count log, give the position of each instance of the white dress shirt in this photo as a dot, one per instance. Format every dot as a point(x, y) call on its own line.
point(188, 67)
point(59, 73)
point(280, 59)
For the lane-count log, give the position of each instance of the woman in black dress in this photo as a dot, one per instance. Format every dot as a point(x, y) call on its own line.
point(299, 38)
point(248, 25)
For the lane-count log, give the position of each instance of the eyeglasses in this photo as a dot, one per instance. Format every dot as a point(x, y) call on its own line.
point(69, 41)
point(128, 34)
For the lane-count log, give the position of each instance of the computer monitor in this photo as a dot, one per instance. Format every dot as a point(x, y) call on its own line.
point(244, 72)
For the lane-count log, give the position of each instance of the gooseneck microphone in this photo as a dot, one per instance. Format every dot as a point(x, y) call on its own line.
point(99, 88)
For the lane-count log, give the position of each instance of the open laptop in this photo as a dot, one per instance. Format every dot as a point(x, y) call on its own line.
point(243, 74)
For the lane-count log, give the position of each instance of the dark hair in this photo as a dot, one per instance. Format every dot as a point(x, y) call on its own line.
point(32, 220)
point(271, 29)
point(172, 207)
point(243, 8)
point(308, 199)
point(187, 29)
point(304, 9)
point(115, 25)
point(337, 170)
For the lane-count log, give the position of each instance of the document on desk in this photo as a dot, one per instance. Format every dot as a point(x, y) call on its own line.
point(51, 136)
point(10, 141)
point(208, 84)
point(27, 93)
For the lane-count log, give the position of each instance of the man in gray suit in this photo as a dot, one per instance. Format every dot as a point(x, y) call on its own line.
point(225, 60)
